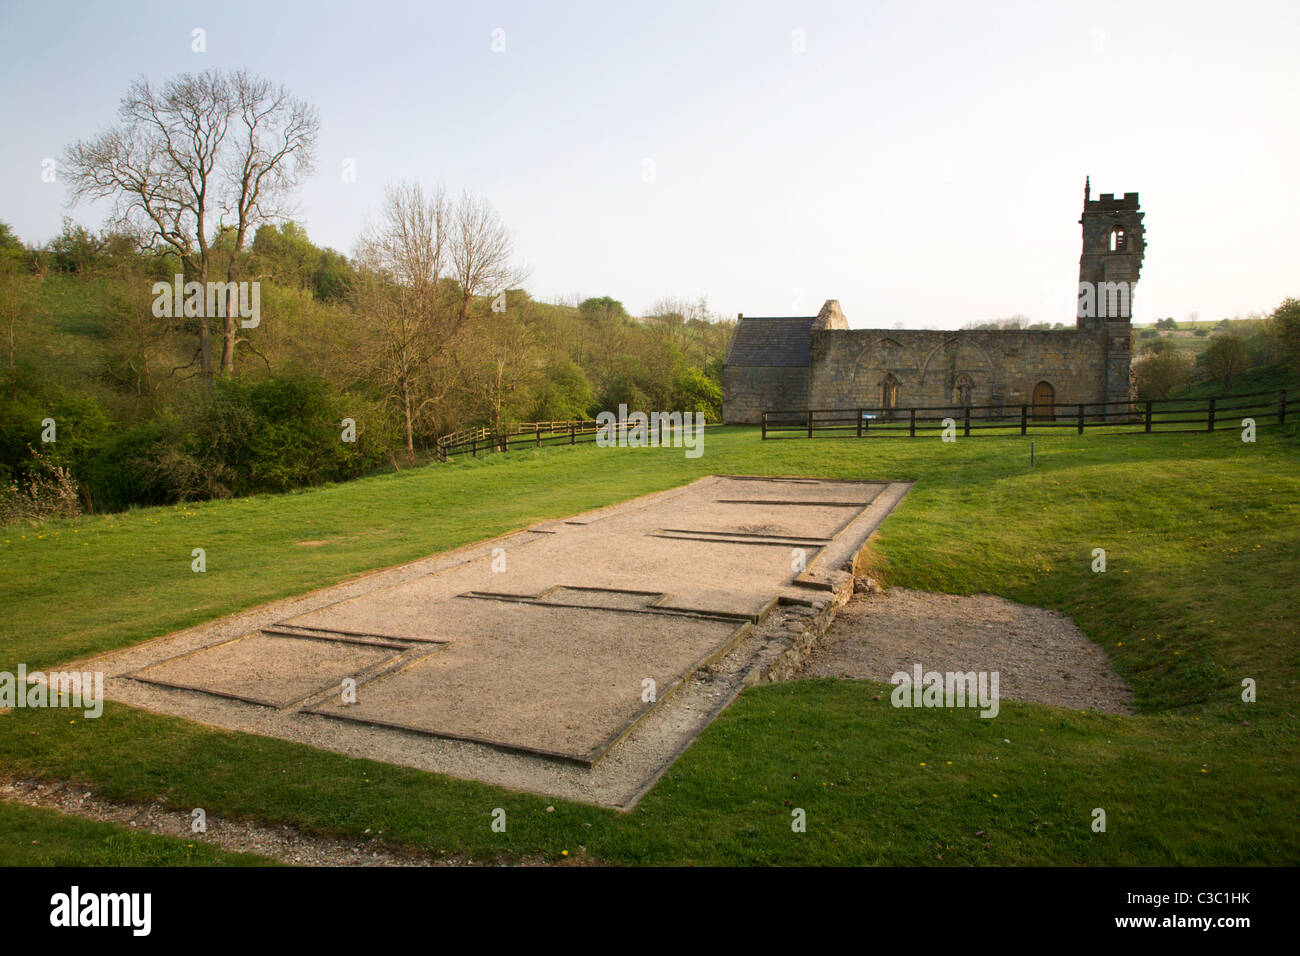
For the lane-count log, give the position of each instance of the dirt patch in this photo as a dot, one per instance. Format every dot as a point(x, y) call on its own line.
point(1039, 655)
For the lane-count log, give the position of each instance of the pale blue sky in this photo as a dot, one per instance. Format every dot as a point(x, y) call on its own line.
point(921, 162)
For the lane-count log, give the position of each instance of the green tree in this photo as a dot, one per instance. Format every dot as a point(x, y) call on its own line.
point(12, 249)
point(1285, 328)
point(284, 253)
point(696, 392)
point(1160, 372)
point(75, 249)
point(564, 394)
point(1225, 358)
point(603, 311)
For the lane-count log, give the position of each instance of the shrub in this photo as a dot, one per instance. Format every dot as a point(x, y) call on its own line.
point(46, 491)
point(147, 465)
point(1160, 372)
point(272, 435)
point(284, 432)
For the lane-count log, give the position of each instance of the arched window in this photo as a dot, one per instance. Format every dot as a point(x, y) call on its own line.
point(963, 391)
point(889, 392)
point(1116, 239)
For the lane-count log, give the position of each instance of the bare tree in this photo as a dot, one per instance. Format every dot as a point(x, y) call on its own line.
point(683, 323)
point(273, 141)
point(398, 293)
point(480, 252)
point(422, 267)
point(186, 156)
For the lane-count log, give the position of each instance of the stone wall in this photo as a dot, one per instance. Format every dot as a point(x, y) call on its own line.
point(848, 368)
point(748, 391)
point(793, 364)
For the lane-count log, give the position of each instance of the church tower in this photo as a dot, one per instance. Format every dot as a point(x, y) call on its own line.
point(1114, 242)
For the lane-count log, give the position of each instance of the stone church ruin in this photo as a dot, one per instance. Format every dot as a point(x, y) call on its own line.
point(792, 364)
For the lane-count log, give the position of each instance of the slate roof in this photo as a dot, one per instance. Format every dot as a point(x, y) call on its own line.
point(760, 341)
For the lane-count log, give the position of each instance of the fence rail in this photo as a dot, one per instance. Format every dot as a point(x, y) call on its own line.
point(483, 432)
point(476, 441)
point(1154, 416)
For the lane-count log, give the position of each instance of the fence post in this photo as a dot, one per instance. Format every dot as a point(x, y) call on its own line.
point(1148, 419)
point(765, 426)
point(861, 412)
point(1081, 418)
point(1024, 419)
point(1281, 407)
point(810, 423)
point(473, 448)
point(966, 428)
point(911, 423)
point(1209, 419)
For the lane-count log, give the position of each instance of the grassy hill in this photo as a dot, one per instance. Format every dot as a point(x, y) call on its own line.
point(1267, 378)
point(1200, 591)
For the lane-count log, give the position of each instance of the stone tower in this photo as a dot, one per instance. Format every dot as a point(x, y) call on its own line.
point(1114, 242)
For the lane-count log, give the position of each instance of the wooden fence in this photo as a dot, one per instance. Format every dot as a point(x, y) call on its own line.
point(482, 441)
point(484, 432)
point(1160, 416)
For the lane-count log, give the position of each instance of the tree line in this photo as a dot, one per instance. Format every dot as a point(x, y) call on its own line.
point(356, 362)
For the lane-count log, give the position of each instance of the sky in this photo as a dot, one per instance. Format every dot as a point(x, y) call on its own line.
point(923, 163)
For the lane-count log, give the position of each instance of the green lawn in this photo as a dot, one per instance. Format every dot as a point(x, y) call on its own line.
point(1203, 560)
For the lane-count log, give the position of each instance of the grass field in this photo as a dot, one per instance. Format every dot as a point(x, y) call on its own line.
point(1203, 561)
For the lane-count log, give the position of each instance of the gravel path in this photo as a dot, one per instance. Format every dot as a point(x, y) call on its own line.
point(280, 843)
point(1039, 655)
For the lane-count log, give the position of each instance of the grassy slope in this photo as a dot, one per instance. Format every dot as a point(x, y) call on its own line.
point(1202, 555)
point(1263, 379)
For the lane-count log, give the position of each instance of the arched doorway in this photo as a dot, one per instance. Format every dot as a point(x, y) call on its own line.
point(1044, 397)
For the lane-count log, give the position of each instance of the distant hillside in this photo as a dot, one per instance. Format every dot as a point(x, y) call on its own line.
point(1215, 358)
